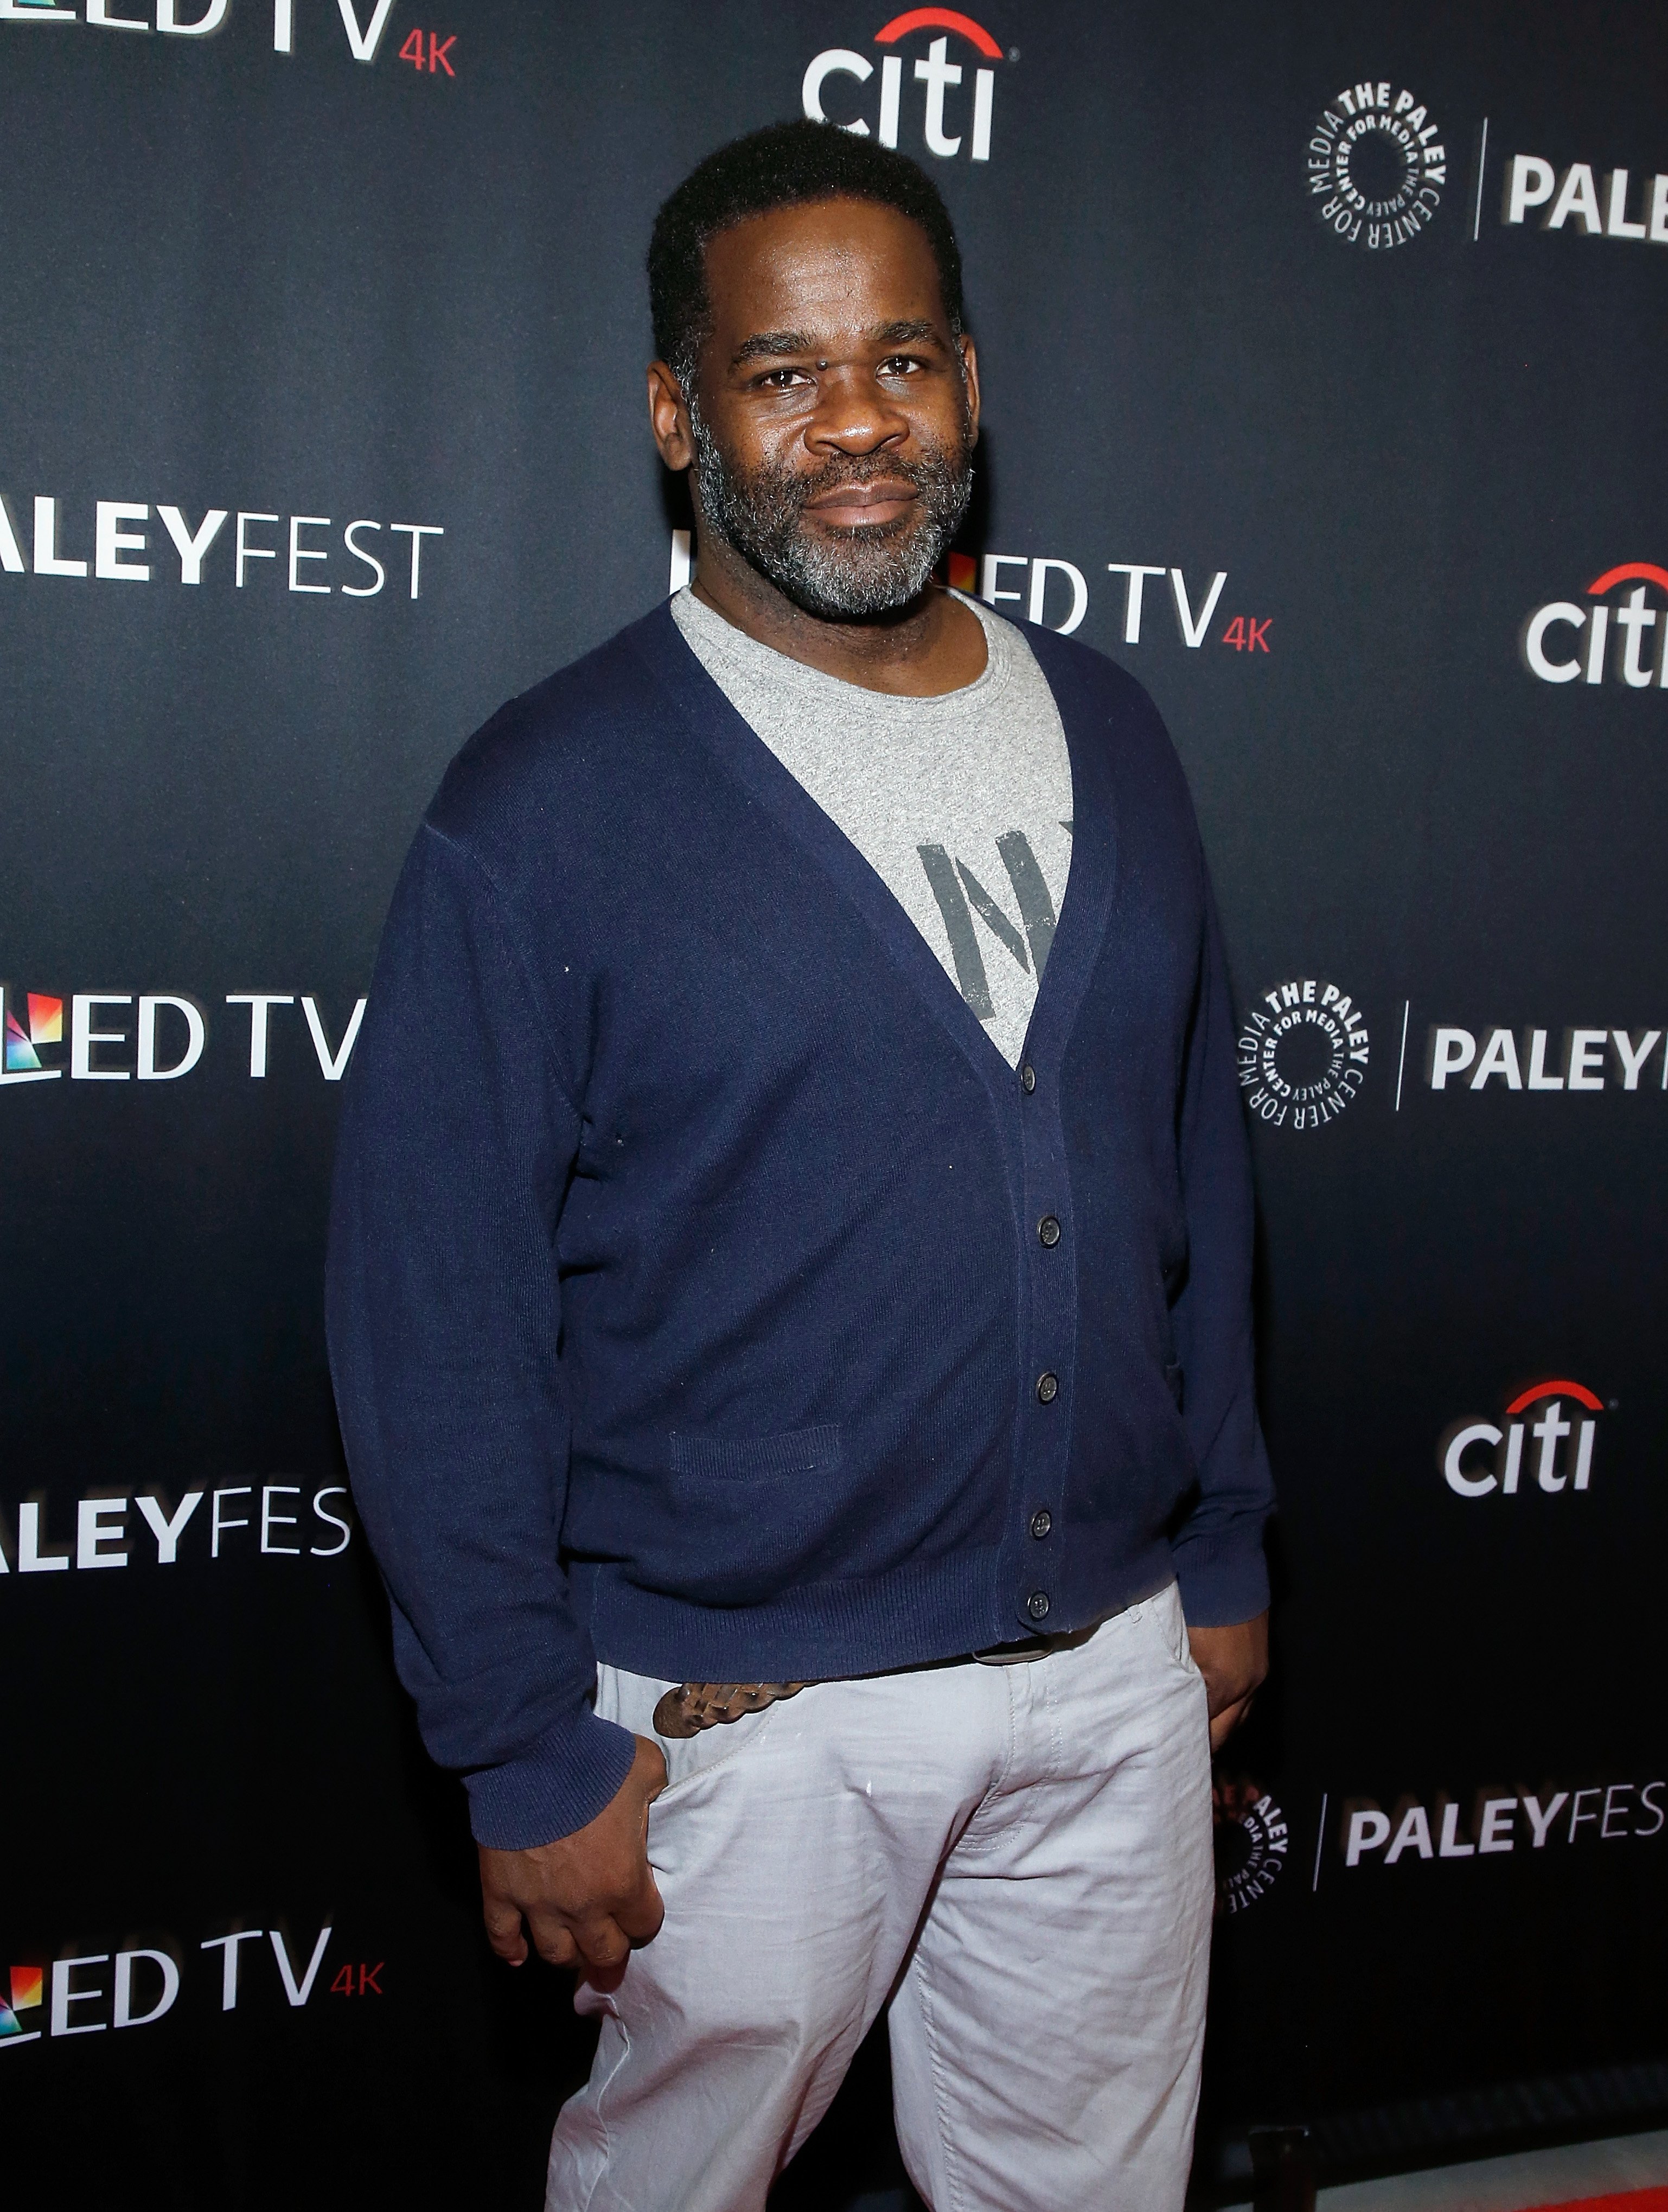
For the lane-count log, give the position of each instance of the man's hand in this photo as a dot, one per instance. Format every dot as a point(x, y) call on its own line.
point(588, 1897)
point(1233, 1661)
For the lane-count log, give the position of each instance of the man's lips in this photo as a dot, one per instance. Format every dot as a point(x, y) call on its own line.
point(851, 505)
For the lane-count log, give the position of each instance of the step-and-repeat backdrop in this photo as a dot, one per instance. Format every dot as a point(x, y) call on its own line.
point(1323, 349)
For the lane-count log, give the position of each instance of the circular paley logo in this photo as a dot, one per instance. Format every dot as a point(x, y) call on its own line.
point(1302, 1053)
point(1376, 166)
point(1251, 1838)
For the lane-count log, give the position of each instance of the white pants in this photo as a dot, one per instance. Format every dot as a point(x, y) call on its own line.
point(1018, 1857)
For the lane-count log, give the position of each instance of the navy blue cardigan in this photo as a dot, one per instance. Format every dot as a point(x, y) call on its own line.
point(687, 1304)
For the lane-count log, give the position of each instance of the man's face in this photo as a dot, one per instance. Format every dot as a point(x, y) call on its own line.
point(835, 415)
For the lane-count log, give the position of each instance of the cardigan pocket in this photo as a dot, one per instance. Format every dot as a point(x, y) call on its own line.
point(765, 1508)
point(756, 1459)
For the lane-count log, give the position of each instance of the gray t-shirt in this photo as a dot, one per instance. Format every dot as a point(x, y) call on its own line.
point(960, 804)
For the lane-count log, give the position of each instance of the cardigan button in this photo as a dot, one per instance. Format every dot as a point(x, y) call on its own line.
point(1037, 1605)
point(1041, 1521)
point(1048, 1388)
point(1027, 1078)
point(1048, 1229)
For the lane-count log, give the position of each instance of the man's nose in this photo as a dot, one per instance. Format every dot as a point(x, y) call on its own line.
point(855, 414)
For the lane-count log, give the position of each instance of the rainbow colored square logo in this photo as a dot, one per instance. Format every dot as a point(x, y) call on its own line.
point(46, 1026)
point(26, 1983)
point(36, 1021)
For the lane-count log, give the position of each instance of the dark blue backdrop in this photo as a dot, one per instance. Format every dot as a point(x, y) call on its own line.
point(367, 284)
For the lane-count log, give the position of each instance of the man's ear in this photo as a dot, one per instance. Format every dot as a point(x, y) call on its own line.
point(969, 354)
point(669, 418)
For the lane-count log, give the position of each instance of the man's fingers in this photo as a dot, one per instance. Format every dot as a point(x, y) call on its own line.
point(554, 1939)
point(602, 1943)
point(503, 1931)
point(641, 1916)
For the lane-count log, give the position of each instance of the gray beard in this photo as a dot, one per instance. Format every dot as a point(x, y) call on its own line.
point(845, 576)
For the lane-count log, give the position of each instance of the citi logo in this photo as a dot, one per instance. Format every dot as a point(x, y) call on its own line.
point(935, 71)
point(1564, 640)
point(1557, 1463)
point(162, 1038)
point(1574, 198)
point(1585, 1060)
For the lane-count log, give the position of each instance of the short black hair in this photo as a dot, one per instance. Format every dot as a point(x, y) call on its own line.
point(785, 164)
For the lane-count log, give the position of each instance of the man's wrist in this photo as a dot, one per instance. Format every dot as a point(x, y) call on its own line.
point(1221, 1587)
point(555, 1787)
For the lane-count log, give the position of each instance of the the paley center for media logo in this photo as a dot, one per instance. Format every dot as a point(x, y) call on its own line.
point(1303, 1051)
point(948, 117)
point(1376, 166)
point(1251, 1837)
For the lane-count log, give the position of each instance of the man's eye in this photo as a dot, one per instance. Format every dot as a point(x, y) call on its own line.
point(780, 379)
point(900, 364)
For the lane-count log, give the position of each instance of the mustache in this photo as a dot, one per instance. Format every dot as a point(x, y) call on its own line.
point(842, 469)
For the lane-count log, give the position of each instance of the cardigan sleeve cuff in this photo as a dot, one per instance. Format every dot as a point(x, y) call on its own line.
point(1223, 1579)
point(558, 1786)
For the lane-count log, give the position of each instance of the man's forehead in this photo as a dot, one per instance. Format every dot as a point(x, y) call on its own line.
point(847, 264)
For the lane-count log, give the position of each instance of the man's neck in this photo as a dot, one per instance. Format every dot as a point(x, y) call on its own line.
point(935, 645)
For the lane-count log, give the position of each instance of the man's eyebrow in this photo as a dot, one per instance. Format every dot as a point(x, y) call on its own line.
point(766, 346)
point(907, 333)
point(777, 345)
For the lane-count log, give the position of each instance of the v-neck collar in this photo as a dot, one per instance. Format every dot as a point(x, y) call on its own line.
point(1085, 906)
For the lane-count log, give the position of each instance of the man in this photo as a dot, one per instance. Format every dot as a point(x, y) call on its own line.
point(792, 1335)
